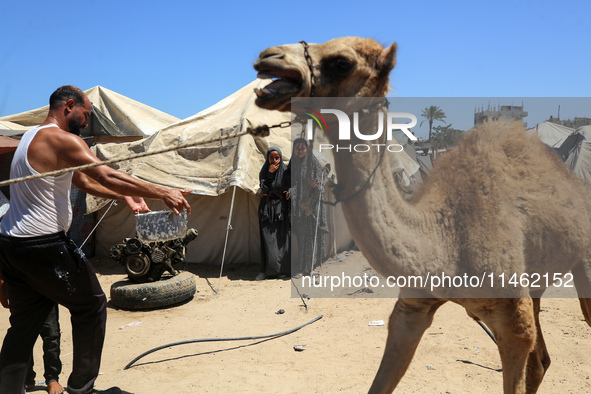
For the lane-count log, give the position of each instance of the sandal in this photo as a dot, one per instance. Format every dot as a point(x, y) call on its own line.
point(261, 276)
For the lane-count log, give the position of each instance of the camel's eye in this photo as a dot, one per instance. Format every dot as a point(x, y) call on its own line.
point(338, 66)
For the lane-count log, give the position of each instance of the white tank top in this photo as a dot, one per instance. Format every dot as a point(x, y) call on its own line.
point(38, 207)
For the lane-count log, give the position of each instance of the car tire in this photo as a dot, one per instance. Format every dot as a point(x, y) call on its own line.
point(165, 292)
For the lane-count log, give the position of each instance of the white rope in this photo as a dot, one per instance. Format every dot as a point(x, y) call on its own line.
point(228, 228)
point(256, 132)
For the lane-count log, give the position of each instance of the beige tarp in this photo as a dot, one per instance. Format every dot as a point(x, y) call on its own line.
point(12, 129)
point(207, 169)
point(116, 115)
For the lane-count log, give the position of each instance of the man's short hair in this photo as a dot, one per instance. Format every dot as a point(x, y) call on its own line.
point(65, 93)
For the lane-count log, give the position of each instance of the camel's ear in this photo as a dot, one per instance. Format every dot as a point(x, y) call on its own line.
point(389, 58)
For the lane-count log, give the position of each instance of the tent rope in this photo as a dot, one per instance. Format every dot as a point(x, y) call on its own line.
point(113, 202)
point(259, 131)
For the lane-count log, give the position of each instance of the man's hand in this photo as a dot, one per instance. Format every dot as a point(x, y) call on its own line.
point(136, 204)
point(175, 201)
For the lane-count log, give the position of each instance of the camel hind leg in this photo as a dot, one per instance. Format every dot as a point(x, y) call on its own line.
point(582, 278)
point(512, 322)
point(409, 320)
point(538, 361)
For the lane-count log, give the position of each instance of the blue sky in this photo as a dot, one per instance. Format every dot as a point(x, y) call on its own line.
point(182, 57)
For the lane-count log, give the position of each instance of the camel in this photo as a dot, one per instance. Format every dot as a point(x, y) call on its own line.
point(499, 202)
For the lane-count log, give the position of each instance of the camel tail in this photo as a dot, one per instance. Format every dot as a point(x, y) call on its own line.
point(582, 278)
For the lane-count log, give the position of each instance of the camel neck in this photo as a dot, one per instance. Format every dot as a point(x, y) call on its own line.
point(381, 221)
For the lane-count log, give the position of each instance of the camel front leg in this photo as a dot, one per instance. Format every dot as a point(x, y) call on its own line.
point(409, 320)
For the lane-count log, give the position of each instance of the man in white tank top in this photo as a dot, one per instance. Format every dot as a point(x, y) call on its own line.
point(40, 265)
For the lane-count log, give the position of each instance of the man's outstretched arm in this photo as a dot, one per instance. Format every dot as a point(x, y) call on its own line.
point(74, 152)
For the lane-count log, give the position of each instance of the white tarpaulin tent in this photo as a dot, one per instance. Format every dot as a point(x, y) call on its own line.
point(211, 171)
point(117, 115)
point(570, 145)
point(552, 134)
point(580, 157)
point(580, 161)
point(585, 131)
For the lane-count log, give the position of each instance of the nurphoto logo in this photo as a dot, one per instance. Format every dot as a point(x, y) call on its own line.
point(344, 123)
point(360, 124)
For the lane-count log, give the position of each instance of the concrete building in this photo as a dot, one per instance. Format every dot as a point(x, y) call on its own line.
point(506, 112)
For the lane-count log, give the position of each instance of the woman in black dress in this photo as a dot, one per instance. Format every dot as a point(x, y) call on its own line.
point(274, 221)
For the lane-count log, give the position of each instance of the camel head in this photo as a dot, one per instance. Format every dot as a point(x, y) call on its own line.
point(343, 67)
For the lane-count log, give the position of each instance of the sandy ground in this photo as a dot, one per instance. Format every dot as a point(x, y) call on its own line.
point(342, 350)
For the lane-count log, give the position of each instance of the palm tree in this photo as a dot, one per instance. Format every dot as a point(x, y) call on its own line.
point(432, 114)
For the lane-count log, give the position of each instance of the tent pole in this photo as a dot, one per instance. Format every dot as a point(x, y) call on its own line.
point(228, 228)
point(334, 233)
point(320, 198)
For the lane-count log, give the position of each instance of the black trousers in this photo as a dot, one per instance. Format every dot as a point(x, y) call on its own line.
point(40, 272)
point(50, 335)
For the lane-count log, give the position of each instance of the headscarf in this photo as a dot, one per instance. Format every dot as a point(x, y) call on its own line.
point(273, 206)
point(276, 185)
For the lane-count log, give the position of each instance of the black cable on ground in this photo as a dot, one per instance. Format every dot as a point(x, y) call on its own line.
point(280, 334)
